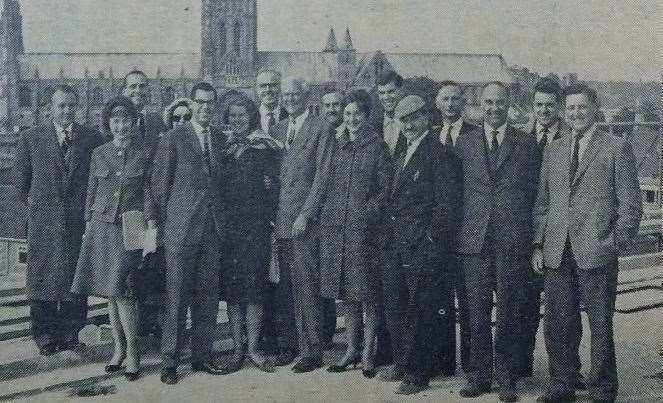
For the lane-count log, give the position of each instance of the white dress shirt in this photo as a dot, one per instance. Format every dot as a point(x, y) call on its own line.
point(60, 132)
point(552, 131)
point(455, 131)
point(391, 129)
point(488, 131)
point(264, 116)
point(583, 143)
point(412, 147)
point(201, 136)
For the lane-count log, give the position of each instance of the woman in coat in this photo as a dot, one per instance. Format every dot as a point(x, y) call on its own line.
point(250, 172)
point(357, 191)
point(117, 197)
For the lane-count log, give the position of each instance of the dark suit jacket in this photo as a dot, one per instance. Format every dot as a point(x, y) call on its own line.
point(303, 172)
point(55, 198)
point(506, 196)
point(599, 211)
point(186, 193)
point(426, 201)
point(152, 129)
point(465, 128)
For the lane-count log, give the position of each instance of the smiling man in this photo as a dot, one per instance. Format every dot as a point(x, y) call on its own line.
point(588, 207)
point(499, 168)
point(390, 92)
point(268, 91)
point(136, 87)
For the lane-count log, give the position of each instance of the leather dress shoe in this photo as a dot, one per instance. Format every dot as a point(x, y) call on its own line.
point(556, 398)
point(508, 395)
point(169, 375)
point(391, 375)
point(474, 390)
point(410, 388)
point(580, 383)
point(207, 366)
point(307, 364)
point(286, 357)
point(48, 349)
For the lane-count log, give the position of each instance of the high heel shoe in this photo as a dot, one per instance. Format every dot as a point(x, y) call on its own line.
point(340, 368)
point(110, 368)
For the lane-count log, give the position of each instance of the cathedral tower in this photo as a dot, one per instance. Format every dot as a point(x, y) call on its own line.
point(11, 46)
point(228, 41)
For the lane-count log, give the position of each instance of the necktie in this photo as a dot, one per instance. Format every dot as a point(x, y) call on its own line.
point(141, 124)
point(543, 142)
point(448, 139)
point(271, 121)
point(494, 144)
point(206, 150)
point(66, 148)
point(291, 135)
point(400, 164)
point(574, 159)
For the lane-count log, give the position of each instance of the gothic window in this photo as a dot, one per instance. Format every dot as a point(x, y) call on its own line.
point(25, 97)
point(237, 33)
point(222, 38)
point(167, 95)
point(45, 97)
point(97, 96)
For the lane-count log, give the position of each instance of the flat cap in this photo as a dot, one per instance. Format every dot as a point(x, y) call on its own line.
point(408, 105)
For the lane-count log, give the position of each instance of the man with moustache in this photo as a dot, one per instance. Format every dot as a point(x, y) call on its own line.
point(50, 176)
point(417, 239)
point(268, 91)
point(588, 207)
point(450, 101)
point(304, 170)
point(499, 169)
point(186, 187)
point(547, 126)
point(150, 126)
point(332, 110)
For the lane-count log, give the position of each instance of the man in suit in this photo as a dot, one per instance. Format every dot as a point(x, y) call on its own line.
point(304, 170)
point(51, 176)
point(547, 126)
point(450, 101)
point(268, 91)
point(499, 168)
point(588, 207)
point(417, 241)
point(150, 126)
point(390, 92)
point(186, 185)
point(332, 110)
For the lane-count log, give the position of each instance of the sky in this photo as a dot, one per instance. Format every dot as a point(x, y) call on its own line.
point(598, 39)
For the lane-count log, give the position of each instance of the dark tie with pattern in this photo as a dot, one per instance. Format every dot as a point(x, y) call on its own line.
point(66, 148)
point(494, 150)
point(271, 121)
point(574, 159)
point(400, 164)
point(544, 141)
point(206, 150)
point(291, 135)
point(449, 140)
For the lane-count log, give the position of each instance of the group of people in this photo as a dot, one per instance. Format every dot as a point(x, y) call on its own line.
point(280, 213)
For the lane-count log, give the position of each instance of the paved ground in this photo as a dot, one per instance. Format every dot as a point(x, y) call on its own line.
point(638, 337)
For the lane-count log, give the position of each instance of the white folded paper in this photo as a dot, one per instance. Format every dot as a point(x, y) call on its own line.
point(133, 230)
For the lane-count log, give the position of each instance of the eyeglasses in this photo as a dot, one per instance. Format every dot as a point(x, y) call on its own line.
point(182, 118)
point(204, 101)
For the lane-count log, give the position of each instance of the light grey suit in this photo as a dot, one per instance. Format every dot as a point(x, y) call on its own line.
point(581, 223)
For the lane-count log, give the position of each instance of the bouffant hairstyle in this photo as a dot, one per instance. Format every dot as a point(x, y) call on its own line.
point(114, 103)
point(246, 103)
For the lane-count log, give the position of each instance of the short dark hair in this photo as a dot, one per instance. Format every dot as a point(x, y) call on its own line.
point(449, 83)
point(131, 73)
point(497, 83)
point(389, 76)
point(114, 103)
point(549, 86)
point(65, 88)
point(361, 98)
point(245, 102)
point(203, 86)
point(584, 89)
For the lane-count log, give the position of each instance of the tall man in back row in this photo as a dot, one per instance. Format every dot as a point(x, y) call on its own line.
point(304, 167)
point(50, 177)
point(588, 207)
point(499, 168)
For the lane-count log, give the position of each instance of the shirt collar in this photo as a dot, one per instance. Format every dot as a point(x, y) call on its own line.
point(197, 127)
point(456, 124)
point(551, 129)
point(264, 111)
point(297, 121)
point(489, 129)
point(415, 143)
point(60, 129)
point(587, 135)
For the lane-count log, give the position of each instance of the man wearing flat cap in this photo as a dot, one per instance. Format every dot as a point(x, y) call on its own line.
point(417, 237)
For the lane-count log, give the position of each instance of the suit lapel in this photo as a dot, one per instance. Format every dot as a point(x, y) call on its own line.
point(302, 136)
point(595, 144)
point(409, 171)
point(192, 139)
point(51, 139)
point(77, 144)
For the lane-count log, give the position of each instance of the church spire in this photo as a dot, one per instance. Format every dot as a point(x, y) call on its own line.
point(331, 46)
point(347, 43)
